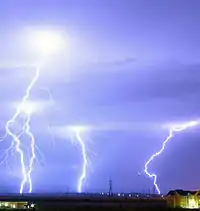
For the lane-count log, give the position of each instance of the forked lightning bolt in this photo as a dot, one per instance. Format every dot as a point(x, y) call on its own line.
point(26, 171)
point(172, 131)
point(85, 161)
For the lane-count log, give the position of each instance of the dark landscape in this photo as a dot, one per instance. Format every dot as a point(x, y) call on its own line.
point(62, 202)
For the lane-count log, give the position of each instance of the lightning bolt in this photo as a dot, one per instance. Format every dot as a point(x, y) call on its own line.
point(172, 131)
point(26, 171)
point(44, 44)
point(85, 162)
point(77, 131)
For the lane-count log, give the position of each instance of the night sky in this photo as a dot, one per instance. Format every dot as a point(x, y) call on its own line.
point(130, 69)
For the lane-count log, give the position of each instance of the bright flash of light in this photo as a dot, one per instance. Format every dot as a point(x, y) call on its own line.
point(78, 130)
point(172, 131)
point(26, 171)
point(45, 42)
point(27, 107)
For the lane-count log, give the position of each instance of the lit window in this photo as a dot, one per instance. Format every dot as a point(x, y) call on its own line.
point(192, 204)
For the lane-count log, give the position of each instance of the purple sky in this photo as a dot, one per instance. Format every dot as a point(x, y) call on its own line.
point(131, 67)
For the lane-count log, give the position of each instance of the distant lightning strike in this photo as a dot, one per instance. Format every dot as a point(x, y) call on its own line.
point(77, 131)
point(173, 130)
point(26, 171)
point(85, 162)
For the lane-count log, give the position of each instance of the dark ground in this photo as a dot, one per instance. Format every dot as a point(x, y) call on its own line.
point(95, 203)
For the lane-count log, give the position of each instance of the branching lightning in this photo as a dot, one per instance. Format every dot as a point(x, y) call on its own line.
point(172, 131)
point(23, 108)
point(42, 43)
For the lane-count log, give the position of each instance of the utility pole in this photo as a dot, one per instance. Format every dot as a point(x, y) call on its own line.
point(110, 188)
